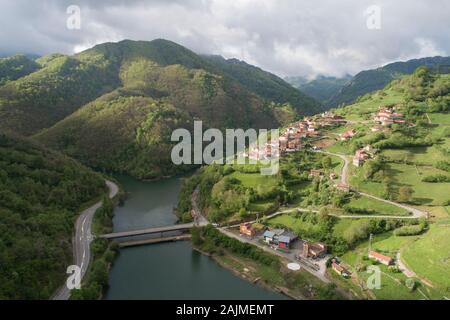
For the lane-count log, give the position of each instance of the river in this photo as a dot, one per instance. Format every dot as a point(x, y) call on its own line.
point(167, 270)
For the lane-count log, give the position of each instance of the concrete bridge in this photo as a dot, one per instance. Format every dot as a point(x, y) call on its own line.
point(176, 227)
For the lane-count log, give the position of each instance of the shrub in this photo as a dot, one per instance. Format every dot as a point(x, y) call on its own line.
point(437, 178)
point(409, 230)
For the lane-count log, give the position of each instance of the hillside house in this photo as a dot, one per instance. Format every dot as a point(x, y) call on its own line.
point(280, 237)
point(388, 116)
point(285, 240)
point(283, 143)
point(333, 175)
point(314, 250)
point(369, 149)
point(293, 144)
point(269, 236)
point(339, 269)
point(247, 229)
point(343, 187)
point(381, 258)
point(348, 135)
point(360, 157)
point(315, 173)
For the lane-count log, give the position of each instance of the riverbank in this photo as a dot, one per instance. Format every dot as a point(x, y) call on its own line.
point(235, 265)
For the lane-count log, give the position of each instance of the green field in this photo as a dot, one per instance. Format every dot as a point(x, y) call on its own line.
point(392, 283)
point(392, 286)
point(419, 155)
point(407, 175)
point(380, 207)
point(261, 206)
point(361, 110)
point(253, 180)
point(440, 118)
point(296, 225)
point(429, 256)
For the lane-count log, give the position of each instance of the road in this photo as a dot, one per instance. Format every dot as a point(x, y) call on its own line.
point(403, 268)
point(416, 213)
point(83, 238)
point(344, 173)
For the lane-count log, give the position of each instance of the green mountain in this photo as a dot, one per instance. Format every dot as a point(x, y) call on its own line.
point(41, 192)
point(162, 86)
point(265, 84)
point(15, 67)
point(322, 88)
point(372, 80)
point(60, 86)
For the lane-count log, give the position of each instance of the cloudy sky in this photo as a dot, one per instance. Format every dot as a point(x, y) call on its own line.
point(287, 37)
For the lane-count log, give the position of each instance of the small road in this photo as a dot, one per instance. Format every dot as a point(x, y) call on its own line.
point(403, 268)
point(344, 173)
point(83, 238)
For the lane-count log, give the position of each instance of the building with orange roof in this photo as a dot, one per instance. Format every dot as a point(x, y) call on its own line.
point(380, 258)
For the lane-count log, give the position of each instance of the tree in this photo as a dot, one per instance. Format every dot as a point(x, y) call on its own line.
point(405, 194)
point(327, 163)
point(324, 213)
point(242, 212)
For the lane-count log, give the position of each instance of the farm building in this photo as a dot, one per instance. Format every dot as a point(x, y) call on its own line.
point(247, 229)
point(348, 135)
point(314, 250)
point(269, 236)
point(339, 269)
point(343, 187)
point(283, 239)
point(315, 173)
point(380, 258)
point(360, 157)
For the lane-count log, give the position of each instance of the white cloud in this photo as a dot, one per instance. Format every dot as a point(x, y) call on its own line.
point(288, 37)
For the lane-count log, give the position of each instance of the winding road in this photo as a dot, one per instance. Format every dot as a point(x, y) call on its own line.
point(83, 238)
point(416, 213)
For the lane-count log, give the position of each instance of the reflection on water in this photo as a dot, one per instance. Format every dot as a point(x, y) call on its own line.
point(167, 270)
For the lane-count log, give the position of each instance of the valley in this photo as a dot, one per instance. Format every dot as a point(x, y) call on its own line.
point(359, 186)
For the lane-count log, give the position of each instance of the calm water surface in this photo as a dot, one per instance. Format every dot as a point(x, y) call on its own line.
point(168, 270)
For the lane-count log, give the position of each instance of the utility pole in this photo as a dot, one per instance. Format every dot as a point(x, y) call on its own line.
point(370, 242)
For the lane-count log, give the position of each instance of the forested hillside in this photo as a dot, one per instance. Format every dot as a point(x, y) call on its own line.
point(41, 193)
point(372, 80)
point(115, 105)
point(265, 84)
point(42, 98)
point(162, 88)
point(36, 95)
point(15, 67)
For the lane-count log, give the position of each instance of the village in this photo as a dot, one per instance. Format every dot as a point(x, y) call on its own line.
point(294, 137)
point(314, 255)
point(298, 134)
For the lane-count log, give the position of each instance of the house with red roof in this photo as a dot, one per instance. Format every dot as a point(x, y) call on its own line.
point(381, 258)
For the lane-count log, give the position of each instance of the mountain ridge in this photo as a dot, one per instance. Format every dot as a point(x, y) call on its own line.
point(375, 79)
